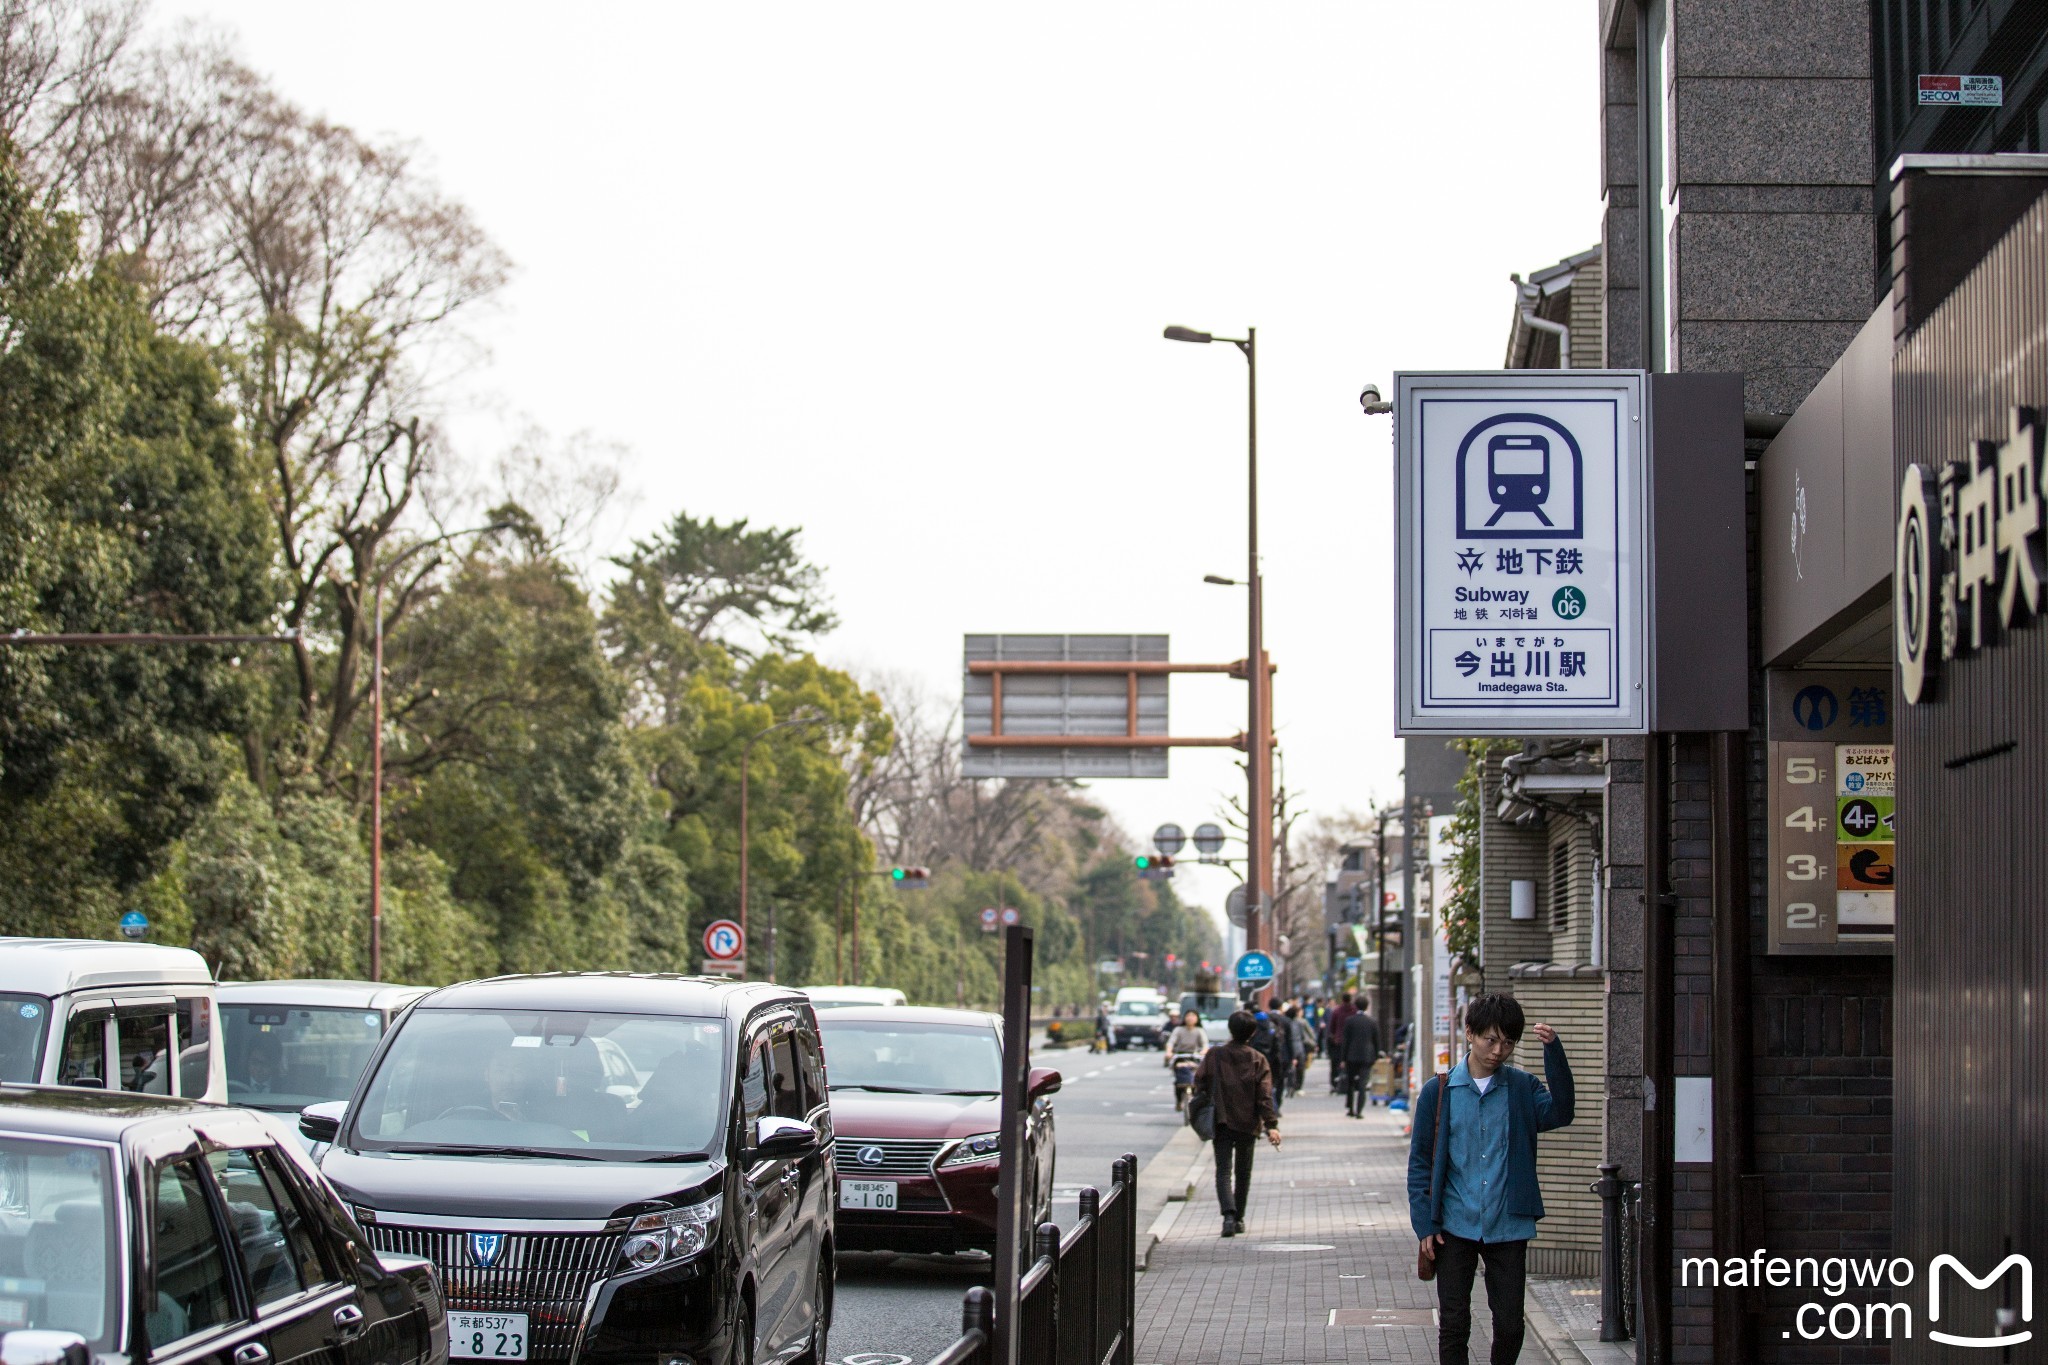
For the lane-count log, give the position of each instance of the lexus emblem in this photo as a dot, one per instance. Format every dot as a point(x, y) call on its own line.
point(484, 1248)
point(870, 1156)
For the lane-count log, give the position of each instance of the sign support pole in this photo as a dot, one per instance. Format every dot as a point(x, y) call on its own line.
point(1011, 1216)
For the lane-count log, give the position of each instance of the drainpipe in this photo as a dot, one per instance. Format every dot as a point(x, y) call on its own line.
point(1528, 296)
point(1736, 1192)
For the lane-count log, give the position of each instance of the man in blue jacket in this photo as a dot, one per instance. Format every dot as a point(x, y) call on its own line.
point(1472, 1192)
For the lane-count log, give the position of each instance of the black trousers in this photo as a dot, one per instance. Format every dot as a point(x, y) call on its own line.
point(1506, 1276)
point(1233, 1169)
point(1355, 1074)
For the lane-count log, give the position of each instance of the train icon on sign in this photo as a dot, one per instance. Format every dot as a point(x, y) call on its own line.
point(1520, 476)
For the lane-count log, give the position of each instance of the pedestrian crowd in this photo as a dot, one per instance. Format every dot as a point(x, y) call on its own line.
point(1473, 1195)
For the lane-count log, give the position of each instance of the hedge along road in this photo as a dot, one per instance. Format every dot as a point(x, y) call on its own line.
point(903, 1310)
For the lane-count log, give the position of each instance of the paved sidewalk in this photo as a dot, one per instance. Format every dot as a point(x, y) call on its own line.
point(1326, 1244)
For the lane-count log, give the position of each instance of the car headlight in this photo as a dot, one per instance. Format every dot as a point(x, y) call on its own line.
point(981, 1147)
point(658, 1239)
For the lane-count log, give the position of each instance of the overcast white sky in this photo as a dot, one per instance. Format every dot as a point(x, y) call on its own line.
point(896, 273)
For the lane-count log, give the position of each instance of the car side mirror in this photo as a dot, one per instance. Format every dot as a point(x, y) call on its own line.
point(1040, 1082)
point(774, 1137)
point(33, 1347)
point(322, 1122)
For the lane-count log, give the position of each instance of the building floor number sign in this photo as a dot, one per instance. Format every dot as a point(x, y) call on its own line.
point(1832, 813)
point(1520, 553)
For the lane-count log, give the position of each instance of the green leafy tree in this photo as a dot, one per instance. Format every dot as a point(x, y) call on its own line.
point(507, 748)
point(127, 503)
point(703, 581)
point(1460, 905)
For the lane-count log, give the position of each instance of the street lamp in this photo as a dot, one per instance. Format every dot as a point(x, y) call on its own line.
point(1259, 768)
point(746, 752)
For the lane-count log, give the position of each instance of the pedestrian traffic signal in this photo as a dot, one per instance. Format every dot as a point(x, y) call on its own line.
point(910, 878)
point(1153, 867)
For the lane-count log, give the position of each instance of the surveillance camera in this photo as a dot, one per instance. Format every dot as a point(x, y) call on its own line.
point(1370, 397)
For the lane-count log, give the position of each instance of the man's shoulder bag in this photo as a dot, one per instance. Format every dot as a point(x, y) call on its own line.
point(1425, 1265)
point(1202, 1110)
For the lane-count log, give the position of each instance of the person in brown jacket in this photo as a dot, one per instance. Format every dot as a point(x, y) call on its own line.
point(1239, 1082)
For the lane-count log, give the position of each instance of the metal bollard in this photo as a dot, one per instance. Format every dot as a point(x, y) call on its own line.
point(978, 1318)
point(1609, 1187)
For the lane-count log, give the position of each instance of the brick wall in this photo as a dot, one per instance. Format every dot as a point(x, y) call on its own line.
point(1508, 853)
point(1692, 1186)
point(1568, 1159)
point(1575, 838)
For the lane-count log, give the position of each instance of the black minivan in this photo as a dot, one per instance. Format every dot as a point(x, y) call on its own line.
point(606, 1167)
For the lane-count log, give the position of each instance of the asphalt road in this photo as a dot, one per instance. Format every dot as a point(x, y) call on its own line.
point(903, 1310)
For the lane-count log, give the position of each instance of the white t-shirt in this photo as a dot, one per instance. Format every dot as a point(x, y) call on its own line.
point(1482, 1083)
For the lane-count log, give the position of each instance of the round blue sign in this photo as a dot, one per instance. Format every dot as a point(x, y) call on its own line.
point(134, 924)
point(1255, 966)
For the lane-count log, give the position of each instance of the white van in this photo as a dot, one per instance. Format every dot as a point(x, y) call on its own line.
point(109, 1016)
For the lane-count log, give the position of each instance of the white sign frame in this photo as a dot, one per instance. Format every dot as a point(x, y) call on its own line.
point(1600, 416)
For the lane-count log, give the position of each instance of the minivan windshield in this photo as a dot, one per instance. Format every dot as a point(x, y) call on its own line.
point(1141, 1008)
point(1210, 1007)
point(23, 1021)
point(918, 1059)
point(285, 1057)
point(58, 1238)
point(605, 1087)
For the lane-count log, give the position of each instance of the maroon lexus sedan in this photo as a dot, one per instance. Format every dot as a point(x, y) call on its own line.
point(917, 1120)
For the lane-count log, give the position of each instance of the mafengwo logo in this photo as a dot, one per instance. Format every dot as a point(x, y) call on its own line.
point(1843, 1312)
point(2005, 1318)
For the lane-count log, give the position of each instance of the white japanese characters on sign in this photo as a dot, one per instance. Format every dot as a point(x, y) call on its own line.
point(1969, 553)
point(1982, 91)
point(1520, 553)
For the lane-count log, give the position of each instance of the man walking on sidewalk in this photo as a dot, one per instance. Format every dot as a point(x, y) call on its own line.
point(1239, 1082)
point(1333, 1039)
point(1275, 1041)
point(1361, 1047)
point(1472, 1191)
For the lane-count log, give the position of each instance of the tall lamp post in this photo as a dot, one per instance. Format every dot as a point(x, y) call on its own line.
point(746, 753)
point(1258, 675)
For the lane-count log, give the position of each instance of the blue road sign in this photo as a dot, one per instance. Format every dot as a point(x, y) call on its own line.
point(1255, 966)
point(134, 924)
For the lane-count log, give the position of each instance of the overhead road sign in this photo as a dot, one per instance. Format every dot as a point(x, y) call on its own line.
point(1075, 706)
point(1521, 553)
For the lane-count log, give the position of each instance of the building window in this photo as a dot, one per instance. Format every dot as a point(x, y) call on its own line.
point(1561, 887)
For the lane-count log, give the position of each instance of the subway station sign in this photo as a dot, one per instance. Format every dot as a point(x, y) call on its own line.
point(1520, 555)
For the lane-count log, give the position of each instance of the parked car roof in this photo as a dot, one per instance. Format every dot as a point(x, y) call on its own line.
point(62, 1111)
point(909, 1014)
point(315, 993)
point(613, 993)
point(845, 997)
point(54, 966)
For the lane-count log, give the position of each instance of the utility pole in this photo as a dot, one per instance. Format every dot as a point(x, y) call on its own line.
point(1383, 1004)
point(1258, 878)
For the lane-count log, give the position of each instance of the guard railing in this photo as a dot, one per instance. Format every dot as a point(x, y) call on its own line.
point(1077, 1303)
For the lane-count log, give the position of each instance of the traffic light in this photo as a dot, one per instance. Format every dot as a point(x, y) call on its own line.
point(1153, 867)
point(910, 878)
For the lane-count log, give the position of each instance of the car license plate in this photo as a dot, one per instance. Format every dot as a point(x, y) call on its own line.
point(867, 1194)
point(487, 1336)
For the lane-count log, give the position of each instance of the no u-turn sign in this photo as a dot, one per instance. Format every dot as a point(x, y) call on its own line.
point(723, 940)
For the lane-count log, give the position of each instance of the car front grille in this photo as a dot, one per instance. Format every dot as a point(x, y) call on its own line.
point(547, 1276)
point(898, 1156)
